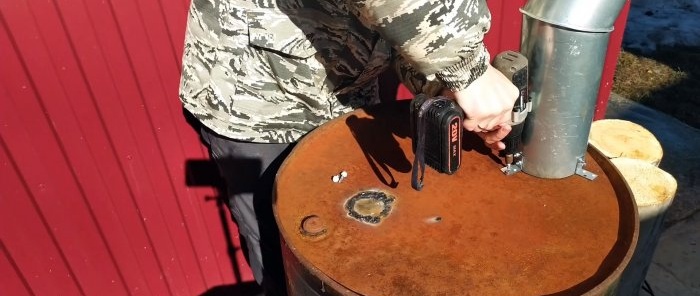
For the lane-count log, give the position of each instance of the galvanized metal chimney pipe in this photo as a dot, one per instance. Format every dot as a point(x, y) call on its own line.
point(565, 43)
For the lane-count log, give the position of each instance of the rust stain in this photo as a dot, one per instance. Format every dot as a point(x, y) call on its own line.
point(476, 232)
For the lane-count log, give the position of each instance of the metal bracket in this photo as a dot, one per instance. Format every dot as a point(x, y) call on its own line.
point(515, 166)
point(580, 163)
point(511, 169)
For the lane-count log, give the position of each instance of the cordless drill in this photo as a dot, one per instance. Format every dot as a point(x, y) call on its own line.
point(515, 67)
point(436, 125)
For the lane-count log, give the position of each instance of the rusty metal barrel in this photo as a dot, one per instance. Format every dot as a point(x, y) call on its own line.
point(351, 224)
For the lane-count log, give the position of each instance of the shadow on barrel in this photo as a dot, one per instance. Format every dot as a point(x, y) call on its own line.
point(472, 142)
point(375, 136)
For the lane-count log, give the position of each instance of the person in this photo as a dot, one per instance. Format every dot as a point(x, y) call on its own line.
point(259, 75)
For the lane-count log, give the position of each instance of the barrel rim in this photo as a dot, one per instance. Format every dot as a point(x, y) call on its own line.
point(627, 205)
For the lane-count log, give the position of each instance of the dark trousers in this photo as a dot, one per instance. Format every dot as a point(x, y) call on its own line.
point(249, 171)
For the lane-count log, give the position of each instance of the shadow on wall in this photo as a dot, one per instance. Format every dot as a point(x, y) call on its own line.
point(205, 173)
point(242, 289)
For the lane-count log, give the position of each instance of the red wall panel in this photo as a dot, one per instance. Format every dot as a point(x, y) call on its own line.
point(506, 21)
point(95, 153)
point(13, 283)
point(614, 46)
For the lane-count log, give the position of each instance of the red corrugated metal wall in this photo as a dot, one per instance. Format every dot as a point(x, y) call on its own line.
point(94, 151)
point(99, 170)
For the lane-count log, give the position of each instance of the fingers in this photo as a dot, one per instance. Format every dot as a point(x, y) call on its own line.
point(483, 125)
point(497, 146)
point(471, 125)
point(490, 124)
point(493, 138)
point(498, 134)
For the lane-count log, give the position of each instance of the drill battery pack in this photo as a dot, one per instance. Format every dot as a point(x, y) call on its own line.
point(436, 123)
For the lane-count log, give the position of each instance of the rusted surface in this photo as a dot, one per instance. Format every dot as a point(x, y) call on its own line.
point(313, 226)
point(476, 232)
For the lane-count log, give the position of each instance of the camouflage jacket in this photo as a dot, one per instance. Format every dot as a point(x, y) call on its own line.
point(271, 71)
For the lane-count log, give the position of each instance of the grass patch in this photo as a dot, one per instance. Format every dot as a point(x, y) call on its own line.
point(667, 80)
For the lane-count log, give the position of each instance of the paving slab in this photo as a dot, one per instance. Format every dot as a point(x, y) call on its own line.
point(675, 267)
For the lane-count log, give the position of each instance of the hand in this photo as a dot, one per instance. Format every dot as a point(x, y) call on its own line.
point(493, 138)
point(488, 103)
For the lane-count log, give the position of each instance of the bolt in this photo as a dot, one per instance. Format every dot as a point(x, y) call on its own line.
point(339, 177)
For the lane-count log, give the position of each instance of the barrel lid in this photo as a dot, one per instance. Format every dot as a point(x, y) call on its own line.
point(477, 231)
point(587, 16)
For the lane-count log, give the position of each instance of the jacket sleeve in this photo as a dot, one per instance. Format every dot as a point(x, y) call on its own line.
point(416, 82)
point(436, 37)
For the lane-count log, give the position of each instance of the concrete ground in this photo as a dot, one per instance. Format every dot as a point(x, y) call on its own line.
point(675, 267)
